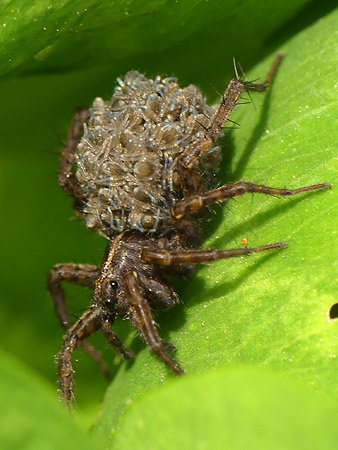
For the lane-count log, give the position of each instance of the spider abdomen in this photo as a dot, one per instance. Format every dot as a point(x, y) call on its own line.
point(128, 158)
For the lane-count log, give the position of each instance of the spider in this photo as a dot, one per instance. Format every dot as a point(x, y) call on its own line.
point(141, 167)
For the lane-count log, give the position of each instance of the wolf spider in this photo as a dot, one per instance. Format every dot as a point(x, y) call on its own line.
point(140, 168)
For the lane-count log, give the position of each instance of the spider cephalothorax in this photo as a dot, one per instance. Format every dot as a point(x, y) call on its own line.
point(140, 167)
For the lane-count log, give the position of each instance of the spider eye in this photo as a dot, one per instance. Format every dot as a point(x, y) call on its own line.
point(110, 288)
point(114, 284)
point(110, 295)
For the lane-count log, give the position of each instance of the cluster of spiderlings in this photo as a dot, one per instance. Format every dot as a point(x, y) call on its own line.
point(127, 158)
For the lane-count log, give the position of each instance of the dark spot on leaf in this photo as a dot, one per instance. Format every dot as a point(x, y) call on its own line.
point(333, 311)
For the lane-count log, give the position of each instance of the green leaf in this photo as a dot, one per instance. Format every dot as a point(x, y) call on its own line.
point(31, 417)
point(268, 309)
point(237, 409)
point(47, 35)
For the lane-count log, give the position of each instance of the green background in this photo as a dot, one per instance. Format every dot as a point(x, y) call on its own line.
point(265, 310)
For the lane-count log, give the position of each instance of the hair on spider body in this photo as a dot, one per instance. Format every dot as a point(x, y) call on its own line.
point(141, 167)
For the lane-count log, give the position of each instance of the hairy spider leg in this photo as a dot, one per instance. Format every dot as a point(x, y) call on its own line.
point(229, 100)
point(168, 258)
point(196, 202)
point(114, 341)
point(66, 175)
point(141, 318)
point(83, 275)
point(88, 323)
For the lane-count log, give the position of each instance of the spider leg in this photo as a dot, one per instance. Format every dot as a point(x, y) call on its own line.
point(88, 323)
point(229, 100)
point(66, 176)
point(168, 258)
point(141, 318)
point(198, 201)
point(84, 275)
point(115, 342)
point(158, 291)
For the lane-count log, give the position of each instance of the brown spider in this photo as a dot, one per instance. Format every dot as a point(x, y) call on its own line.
point(140, 167)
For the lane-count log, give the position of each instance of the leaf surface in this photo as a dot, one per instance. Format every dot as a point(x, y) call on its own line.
point(31, 417)
point(229, 409)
